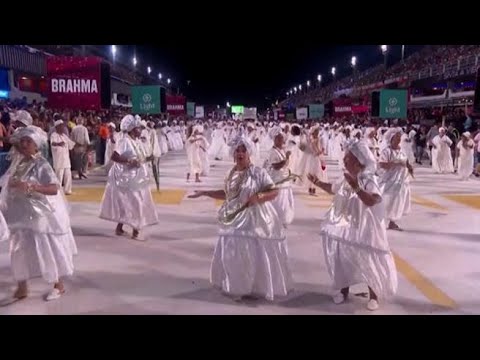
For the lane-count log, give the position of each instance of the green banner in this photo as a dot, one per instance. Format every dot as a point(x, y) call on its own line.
point(316, 111)
point(393, 104)
point(191, 109)
point(146, 100)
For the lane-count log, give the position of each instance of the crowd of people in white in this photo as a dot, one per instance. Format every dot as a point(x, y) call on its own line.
point(270, 160)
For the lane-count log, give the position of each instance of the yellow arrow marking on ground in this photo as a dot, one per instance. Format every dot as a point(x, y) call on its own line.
point(94, 194)
point(424, 285)
point(472, 201)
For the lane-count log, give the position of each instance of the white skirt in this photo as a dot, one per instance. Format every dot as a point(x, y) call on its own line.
point(250, 266)
point(132, 208)
point(349, 265)
point(41, 255)
point(397, 202)
point(284, 204)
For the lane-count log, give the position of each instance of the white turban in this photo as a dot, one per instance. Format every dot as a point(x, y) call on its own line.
point(442, 129)
point(389, 135)
point(111, 124)
point(138, 118)
point(143, 123)
point(24, 117)
point(129, 123)
point(364, 155)
point(242, 140)
point(275, 132)
point(38, 136)
point(58, 122)
point(467, 134)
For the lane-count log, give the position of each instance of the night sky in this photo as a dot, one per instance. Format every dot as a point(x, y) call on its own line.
point(253, 76)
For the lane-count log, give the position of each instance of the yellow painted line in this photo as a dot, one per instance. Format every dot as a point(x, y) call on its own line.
point(472, 201)
point(418, 200)
point(95, 194)
point(424, 285)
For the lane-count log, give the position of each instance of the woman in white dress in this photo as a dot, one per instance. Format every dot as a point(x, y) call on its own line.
point(442, 162)
point(35, 210)
point(354, 235)
point(204, 146)
point(313, 162)
point(371, 139)
point(293, 145)
point(465, 149)
point(250, 257)
point(395, 180)
point(408, 144)
point(114, 136)
point(194, 147)
point(127, 198)
point(162, 139)
point(218, 149)
point(277, 165)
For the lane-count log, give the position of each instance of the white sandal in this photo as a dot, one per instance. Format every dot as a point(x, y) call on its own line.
point(54, 294)
point(339, 298)
point(372, 305)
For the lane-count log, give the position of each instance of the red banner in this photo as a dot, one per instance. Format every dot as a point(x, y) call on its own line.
point(360, 109)
point(342, 110)
point(176, 105)
point(74, 82)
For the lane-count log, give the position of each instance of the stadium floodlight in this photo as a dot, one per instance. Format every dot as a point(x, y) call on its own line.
point(334, 71)
point(149, 70)
point(354, 61)
point(134, 60)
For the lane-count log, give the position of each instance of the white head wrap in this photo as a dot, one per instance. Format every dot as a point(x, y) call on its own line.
point(111, 124)
point(390, 134)
point(275, 132)
point(467, 134)
point(129, 123)
point(364, 155)
point(58, 122)
point(138, 118)
point(24, 117)
point(143, 123)
point(38, 136)
point(242, 140)
point(442, 129)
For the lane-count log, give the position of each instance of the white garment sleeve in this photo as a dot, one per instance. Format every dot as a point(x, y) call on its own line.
point(121, 146)
point(265, 179)
point(274, 157)
point(371, 186)
point(337, 184)
point(69, 142)
point(385, 156)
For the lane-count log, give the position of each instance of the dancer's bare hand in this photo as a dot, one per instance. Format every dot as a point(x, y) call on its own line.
point(254, 200)
point(353, 182)
point(196, 194)
point(134, 163)
point(19, 185)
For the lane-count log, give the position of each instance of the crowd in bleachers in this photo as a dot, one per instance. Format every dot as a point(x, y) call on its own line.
point(430, 55)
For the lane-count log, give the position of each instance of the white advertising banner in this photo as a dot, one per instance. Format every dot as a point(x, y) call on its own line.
point(199, 112)
point(302, 113)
